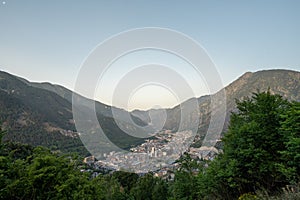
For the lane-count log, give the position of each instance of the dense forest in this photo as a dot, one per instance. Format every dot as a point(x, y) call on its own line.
point(260, 160)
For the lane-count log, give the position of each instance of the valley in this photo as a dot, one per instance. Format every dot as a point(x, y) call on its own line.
point(41, 113)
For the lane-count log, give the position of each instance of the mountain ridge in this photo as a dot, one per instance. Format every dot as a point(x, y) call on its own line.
point(280, 81)
point(40, 117)
point(45, 109)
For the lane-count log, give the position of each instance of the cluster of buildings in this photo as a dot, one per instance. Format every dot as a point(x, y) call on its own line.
point(157, 155)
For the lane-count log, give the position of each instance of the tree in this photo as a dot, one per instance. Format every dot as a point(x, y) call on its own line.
point(143, 188)
point(126, 179)
point(160, 190)
point(185, 183)
point(291, 127)
point(252, 147)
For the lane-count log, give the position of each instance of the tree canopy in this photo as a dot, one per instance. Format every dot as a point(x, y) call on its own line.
point(261, 152)
point(261, 148)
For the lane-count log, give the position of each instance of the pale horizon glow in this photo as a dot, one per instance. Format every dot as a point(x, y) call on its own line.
point(150, 95)
point(160, 98)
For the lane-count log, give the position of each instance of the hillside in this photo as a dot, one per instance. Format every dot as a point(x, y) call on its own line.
point(41, 113)
point(283, 82)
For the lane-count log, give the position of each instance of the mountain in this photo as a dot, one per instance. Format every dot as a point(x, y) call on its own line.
point(283, 82)
point(34, 116)
point(67, 94)
point(41, 113)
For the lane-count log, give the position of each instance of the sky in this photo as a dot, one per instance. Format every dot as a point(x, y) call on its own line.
point(48, 41)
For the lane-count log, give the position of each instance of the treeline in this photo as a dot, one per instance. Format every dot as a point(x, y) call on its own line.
point(37, 173)
point(261, 156)
point(261, 151)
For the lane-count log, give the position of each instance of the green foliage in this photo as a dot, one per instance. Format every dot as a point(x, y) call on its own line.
point(261, 149)
point(185, 183)
point(247, 196)
point(160, 190)
point(261, 153)
point(143, 189)
point(27, 173)
point(37, 173)
point(291, 128)
point(126, 179)
point(253, 143)
point(149, 187)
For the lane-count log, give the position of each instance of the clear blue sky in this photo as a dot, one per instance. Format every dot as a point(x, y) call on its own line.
point(48, 40)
